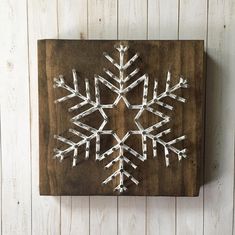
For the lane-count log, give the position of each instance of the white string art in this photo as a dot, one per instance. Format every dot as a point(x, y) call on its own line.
point(120, 90)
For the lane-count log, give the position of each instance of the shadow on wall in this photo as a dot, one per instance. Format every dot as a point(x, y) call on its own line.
point(218, 130)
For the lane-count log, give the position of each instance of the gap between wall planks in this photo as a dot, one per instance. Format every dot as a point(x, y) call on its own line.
point(219, 175)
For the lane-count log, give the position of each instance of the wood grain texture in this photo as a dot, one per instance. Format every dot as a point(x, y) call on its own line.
point(75, 215)
point(74, 210)
point(45, 210)
point(102, 24)
point(103, 215)
point(131, 216)
point(160, 216)
point(102, 19)
point(162, 25)
point(184, 57)
point(72, 19)
point(219, 156)
point(15, 119)
point(163, 19)
point(219, 171)
point(132, 19)
point(134, 14)
point(192, 24)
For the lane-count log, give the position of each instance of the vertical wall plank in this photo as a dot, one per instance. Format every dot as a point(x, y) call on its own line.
point(219, 160)
point(132, 24)
point(192, 25)
point(72, 19)
point(162, 19)
point(0, 169)
point(160, 216)
point(131, 215)
point(102, 19)
point(154, 19)
point(15, 122)
point(74, 215)
point(132, 19)
point(72, 24)
point(162, 24)
point(103, 215)
point(102, 24)
point(42, 23)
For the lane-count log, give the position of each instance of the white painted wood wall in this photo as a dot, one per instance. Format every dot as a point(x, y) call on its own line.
point(23, 211)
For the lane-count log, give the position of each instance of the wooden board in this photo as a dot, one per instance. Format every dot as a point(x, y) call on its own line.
point(163, 24)
point(156, 57)
point(74, 211)
point(192, 24)
point(131, 219)
point(102, 24)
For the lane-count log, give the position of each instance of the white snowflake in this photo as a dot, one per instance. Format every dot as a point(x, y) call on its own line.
point(121, 89)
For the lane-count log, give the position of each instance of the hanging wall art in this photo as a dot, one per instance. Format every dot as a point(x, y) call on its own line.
point(120, 117)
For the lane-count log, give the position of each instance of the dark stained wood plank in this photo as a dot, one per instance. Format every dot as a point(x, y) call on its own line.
point(156, 57)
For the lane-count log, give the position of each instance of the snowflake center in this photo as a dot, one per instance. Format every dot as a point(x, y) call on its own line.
point(121, 119)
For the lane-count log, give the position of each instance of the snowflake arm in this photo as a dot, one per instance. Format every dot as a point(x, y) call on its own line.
point(169, 91)
point(95, 106)
point(60, 83)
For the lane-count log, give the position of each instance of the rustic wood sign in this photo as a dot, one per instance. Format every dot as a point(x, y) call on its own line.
point(120, 117)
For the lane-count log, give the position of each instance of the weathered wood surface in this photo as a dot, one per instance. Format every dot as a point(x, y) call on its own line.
point(132, 217)
point(181, 178)
point(192, 24)
point(75, 211)
point(163, 23)
point(102, 24)
point(45, 210)
point(163, 215)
